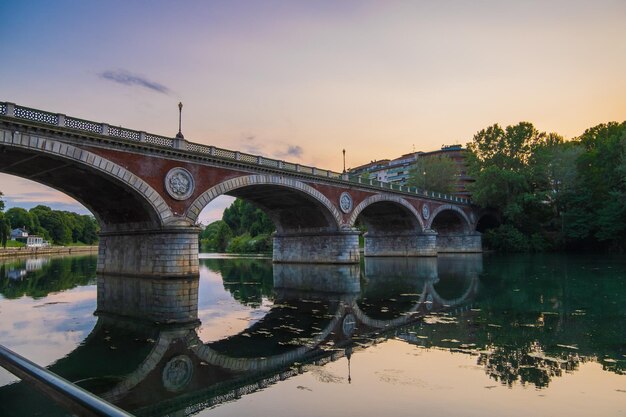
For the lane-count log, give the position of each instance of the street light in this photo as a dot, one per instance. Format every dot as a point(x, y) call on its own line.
point(179, 135)
point(344, 161)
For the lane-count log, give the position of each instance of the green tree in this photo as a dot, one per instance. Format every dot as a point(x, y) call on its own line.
point(243, 229)
point(434, 174)
point(5, 229)
point(5, 225)
point(244, 217)
point(510, 168)
point(215, 236)
point(54, 223)
point(20, 217)
point(90, 229)
point(596, 209)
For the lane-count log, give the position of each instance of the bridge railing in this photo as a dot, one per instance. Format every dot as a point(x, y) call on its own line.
point(118, 132)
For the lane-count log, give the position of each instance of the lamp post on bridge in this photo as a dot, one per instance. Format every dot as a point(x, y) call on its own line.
point(179, 140)
point(344, 161)
point(179, 135)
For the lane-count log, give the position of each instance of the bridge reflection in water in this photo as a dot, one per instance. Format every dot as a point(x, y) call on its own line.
point(149, 353)
point(145, 355)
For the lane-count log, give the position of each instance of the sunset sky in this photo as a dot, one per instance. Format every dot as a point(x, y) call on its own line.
point(302, 80)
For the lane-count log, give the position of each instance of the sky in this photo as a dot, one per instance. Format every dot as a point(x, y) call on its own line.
point(302, 80)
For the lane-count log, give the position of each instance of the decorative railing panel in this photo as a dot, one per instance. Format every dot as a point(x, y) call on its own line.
point(224, 153)
point(120, 132)
point(36, 115)
point(3, 108)
point(269, 162)
point(248, 158)
point(289, 166)
point(85, 125)
point(196, 147)
point(159, 140)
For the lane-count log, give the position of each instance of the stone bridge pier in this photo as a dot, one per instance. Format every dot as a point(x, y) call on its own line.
point(401, 244)
point(166, 252)
point(340, 247)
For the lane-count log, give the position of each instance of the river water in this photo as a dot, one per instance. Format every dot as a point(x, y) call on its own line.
point(471, 335)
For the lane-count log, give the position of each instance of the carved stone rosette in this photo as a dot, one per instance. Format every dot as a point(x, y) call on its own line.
point(345, 202)
point(179, 183)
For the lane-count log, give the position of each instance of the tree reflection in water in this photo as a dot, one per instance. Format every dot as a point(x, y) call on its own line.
point(526, 320)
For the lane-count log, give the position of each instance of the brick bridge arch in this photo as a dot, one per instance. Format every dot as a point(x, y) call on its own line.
point(455, 212)
point(455, 230)
point(121, 197)
point(399, 206)
point(322, 214)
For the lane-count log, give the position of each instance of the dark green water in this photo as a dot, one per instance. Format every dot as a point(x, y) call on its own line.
point(453, 335)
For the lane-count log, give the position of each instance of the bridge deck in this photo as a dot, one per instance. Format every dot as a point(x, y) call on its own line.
point(104, 131)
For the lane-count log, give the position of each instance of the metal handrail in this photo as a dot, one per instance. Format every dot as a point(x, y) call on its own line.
point(69, 395)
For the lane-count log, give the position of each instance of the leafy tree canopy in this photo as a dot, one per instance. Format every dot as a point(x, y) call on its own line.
point(552, 192)
point(243, 229)
point(437, 173)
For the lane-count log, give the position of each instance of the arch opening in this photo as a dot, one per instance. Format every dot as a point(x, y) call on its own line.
point(449, 222)
point(487, 221)
point(293, 206)
point(394, 228)
point(388, 217)
point(454, 231)
point(110, 200)
point(308, 224)
point(291, 211)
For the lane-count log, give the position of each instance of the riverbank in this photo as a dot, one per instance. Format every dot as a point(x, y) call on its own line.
point(50, 250)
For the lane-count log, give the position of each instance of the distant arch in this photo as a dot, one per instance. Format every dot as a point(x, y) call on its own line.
point(465, 221)
point(386, 198)
point(488, 219)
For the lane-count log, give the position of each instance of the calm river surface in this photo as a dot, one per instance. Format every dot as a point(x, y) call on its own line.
point(489, 335)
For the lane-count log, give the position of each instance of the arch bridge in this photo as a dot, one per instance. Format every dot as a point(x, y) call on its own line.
point(147, 192)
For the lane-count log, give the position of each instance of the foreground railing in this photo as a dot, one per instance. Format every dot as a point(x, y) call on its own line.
point(61, 120)
point(70, 396)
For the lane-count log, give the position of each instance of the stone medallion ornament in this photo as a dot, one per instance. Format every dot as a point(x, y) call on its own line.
point(345, 202)
point(179, 183)
point(177, 373)
point(425, 211)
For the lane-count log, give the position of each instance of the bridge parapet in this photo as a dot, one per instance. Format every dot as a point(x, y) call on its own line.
point(89, 127)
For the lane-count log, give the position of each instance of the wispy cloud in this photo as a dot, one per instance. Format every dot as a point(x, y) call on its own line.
point(255, 145)
point(126, 78)
point(249, 144)
point(291, 151)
